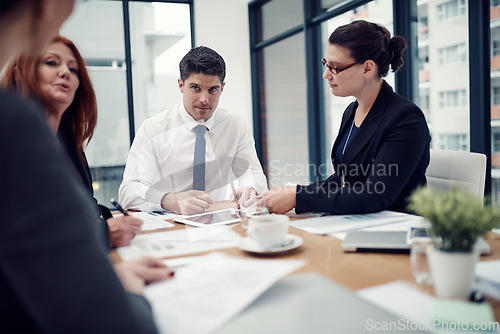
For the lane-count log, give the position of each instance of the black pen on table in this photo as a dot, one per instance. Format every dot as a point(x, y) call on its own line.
point(118, 206)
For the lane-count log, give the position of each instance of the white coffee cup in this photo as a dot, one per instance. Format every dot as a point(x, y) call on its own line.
point(268, 231)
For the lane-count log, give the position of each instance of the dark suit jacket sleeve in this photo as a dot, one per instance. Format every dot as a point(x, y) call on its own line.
point(82, 169)
point(386, 161)
point(55, 276)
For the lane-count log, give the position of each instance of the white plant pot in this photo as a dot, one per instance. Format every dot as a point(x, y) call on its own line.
point(452, 272)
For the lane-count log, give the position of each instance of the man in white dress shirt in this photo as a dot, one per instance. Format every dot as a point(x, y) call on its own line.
point(159, 170)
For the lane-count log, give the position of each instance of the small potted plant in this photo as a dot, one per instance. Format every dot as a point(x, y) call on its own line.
point(457, 218)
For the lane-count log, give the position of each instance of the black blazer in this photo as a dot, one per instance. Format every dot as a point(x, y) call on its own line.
point(55, 276)
point(383, 164)
point(82, 167)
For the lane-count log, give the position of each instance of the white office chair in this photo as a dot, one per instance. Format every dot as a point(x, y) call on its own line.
point(466, 170)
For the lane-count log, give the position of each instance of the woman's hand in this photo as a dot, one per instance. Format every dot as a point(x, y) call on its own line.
point(138, 273)
point(281, 199)
point(123, 229)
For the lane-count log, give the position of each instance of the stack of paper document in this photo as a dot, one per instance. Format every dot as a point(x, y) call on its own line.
point(210, 291)
point(180, 242)
point(339, 225)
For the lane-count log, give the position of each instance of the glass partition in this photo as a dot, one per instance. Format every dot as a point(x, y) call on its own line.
point(278, 16)
point(285, 113)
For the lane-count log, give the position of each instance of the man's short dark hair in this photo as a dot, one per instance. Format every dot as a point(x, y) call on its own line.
point(202, 60)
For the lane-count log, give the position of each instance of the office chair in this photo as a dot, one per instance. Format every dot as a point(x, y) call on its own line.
point(466, 170)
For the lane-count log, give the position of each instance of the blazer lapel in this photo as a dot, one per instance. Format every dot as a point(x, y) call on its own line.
point(346, 122)
point(370, 124)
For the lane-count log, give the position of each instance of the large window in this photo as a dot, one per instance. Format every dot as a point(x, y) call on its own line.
point(443, 72)
point(159, 35)
point(286, 112)
point(279, 16)
point(281, 86)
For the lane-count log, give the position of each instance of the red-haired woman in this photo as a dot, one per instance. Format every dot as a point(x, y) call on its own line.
point(60, 81)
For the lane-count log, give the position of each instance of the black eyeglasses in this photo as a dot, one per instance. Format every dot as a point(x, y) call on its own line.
point(336, 69)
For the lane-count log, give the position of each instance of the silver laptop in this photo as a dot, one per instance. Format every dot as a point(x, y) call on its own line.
point(389, 242)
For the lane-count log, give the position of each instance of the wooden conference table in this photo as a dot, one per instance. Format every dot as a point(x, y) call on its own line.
point(352, 270)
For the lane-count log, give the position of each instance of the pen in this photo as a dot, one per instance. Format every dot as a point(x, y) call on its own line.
point(118, 206)
point(235, 194)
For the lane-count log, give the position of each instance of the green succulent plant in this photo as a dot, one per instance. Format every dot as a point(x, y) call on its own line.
point(456, 216)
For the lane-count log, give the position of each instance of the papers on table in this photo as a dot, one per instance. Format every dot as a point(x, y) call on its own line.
point(179, 262)
point(426, 312)
point(152, 221)
point(180, 242)
point(208, 292)
point(488, 278)
point(339, 225)
point(293, 214)
point(401, 299)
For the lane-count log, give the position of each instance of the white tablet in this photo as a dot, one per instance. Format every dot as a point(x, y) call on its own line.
point(221, 217)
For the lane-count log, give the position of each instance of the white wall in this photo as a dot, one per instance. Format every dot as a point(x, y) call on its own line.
point(229, 36)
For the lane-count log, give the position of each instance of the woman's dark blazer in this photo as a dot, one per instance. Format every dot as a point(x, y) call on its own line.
point(383, 163)
point(65, 137)
point(55, 276)
point(67, 142)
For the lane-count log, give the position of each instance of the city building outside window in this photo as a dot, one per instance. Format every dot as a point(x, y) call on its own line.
point(452, 54)
point(495, 43)
point(455, 142)
point(451, 9)
point(496, 96)
point(496, 142)
point(452, 99)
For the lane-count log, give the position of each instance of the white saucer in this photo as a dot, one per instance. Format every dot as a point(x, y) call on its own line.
point(291, 241)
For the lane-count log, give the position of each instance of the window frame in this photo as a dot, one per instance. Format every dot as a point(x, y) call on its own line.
point(128, 53)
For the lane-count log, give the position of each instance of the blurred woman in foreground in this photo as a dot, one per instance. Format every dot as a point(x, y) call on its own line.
point(55, 276)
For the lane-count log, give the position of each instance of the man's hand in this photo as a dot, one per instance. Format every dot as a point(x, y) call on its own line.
point(281, 199)
point(187, 203)
point(123, 229)
point(138, 273)
point(243, 194)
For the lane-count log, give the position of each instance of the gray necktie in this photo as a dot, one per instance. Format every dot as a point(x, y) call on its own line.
point(199, 158)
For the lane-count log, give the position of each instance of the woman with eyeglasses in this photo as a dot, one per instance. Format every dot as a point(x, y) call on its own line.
point(55, 276)
point(381, 152)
